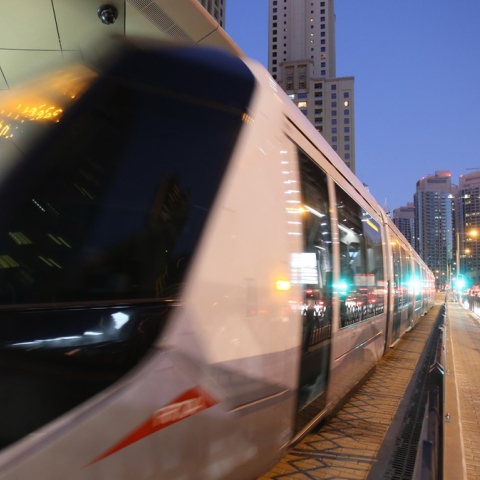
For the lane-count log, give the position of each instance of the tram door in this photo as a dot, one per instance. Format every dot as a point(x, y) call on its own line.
point(398, 292)
point(313, 267)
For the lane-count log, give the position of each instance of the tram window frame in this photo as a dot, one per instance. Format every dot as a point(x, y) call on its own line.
point(362, 282)
point(318, 242)
point(400, 290)
point(314, 272)
point(398, 278)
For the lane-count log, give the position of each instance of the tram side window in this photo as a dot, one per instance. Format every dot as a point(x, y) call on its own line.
point(397, 276)
point(418, 283)
point(399, 291)
point(362, 283)
point(314, 264)
point(425, 285)
point(407, 281)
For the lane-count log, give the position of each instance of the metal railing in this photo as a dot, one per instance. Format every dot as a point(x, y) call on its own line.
point(472, 302)
point(429, 460)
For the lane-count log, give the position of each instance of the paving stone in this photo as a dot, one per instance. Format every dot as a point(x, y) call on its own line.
point(347, 447)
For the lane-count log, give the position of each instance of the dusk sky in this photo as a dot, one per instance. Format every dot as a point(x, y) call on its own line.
point(417, 85)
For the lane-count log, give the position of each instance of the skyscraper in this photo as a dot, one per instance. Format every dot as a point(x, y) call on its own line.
point(404, 219)
point(302, 59)
point(216, 8)
point(468, 233)
point(435, 224)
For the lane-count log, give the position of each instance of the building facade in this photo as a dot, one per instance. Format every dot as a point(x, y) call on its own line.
point(216, 8)
point(404, 219)
point(468, 232)
point(302, 59)
point(434, 203)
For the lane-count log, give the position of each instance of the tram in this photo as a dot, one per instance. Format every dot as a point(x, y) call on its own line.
point(190, 277)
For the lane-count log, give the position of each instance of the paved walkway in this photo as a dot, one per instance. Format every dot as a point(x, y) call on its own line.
point(462, 382)
point(363, 433)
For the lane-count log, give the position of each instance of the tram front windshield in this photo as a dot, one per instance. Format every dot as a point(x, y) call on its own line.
point(109, 177)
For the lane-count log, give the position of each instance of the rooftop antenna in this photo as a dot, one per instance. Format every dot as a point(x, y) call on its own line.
point(386, 207)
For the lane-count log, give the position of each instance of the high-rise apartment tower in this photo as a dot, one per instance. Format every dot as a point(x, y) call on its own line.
point(404, 219)
point(216, 8)
point(302, 59)
point(435, 224)
point(468, 231)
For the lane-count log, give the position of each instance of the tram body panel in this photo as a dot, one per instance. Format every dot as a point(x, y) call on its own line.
point(232, 303)
point(356, 350)
point(123, 433)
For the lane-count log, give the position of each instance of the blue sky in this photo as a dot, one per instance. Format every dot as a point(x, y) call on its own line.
point(416, 65)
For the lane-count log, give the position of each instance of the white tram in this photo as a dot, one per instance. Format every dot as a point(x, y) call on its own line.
point(190, 277)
